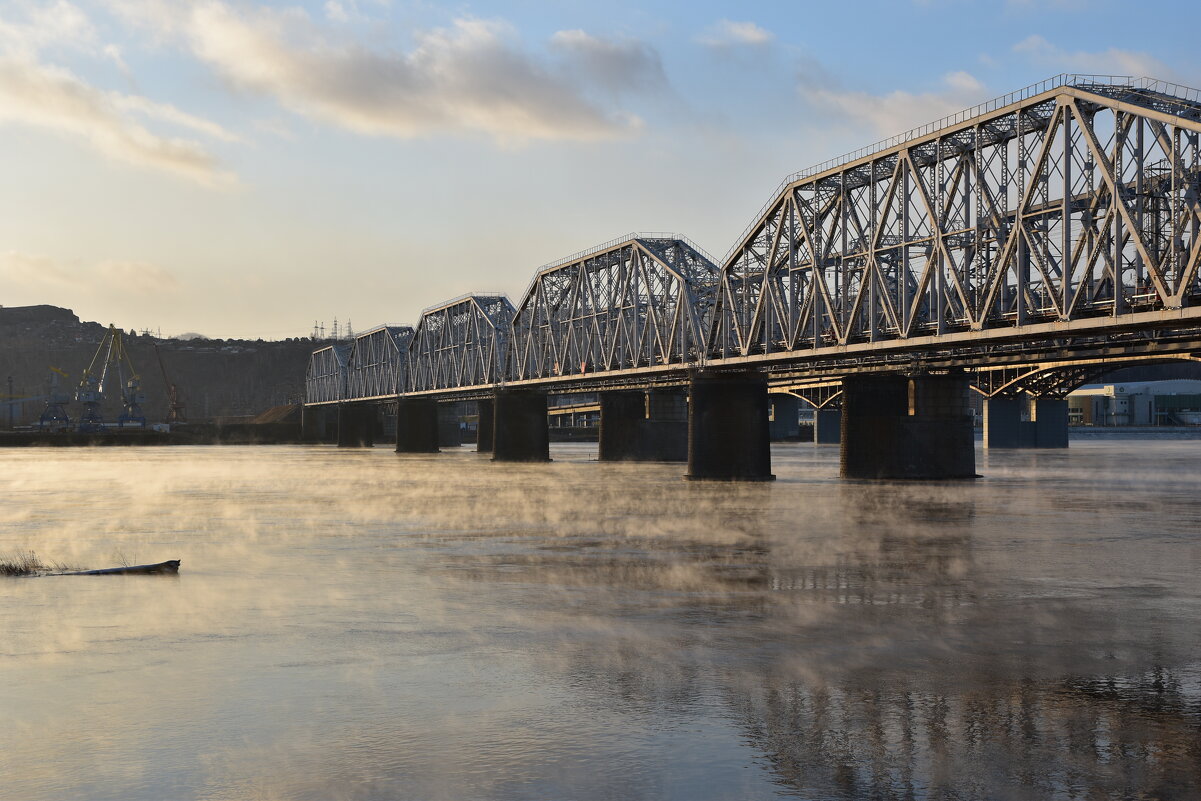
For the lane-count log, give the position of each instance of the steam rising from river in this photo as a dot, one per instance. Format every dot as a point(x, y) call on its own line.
point(358, 624)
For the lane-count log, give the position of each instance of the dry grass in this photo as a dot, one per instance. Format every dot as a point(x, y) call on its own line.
point(27, 563)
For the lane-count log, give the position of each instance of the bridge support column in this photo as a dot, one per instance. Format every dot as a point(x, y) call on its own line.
point(308, 423)
point(416, 425)
point(641, 426)
point(1024, 422)
point(483, 426)
point(356, 425)
point(728, 427)
point(1050, 418)
point(827, 426)
point(899, 428)
point(449, 435)
point(519, 432)
point(784, 423)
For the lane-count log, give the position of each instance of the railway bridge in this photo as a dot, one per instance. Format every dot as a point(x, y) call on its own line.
point(1017, 250)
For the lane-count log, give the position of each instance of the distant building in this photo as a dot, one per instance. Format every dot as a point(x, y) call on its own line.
point(1144, 403)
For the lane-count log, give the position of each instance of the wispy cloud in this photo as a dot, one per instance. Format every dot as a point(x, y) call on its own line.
point(618, 66)
point(39, 94)
point(54, 99)
point(728, 33)
point(895, 112)
point(1111, 61)
point(42, 273)
point(470, 78)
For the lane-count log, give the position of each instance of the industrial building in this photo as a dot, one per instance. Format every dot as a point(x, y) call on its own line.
point(1145, 403)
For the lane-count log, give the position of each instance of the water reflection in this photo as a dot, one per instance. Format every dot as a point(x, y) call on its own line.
point(365, 626)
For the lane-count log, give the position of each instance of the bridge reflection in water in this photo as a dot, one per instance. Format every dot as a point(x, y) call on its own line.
point(1017, 249)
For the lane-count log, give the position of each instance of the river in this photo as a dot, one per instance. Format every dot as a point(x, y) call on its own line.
point(356, 624)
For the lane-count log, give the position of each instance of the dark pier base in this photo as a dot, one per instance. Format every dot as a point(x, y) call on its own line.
point(827, 426)
point(416, 425)
point(519, 432)
point(1024, 422)
point(449, 433)
point(728, 427)
point(356, 425)
point(785, 412)
point(638, 426)
point(895, 427)
point(483, 430)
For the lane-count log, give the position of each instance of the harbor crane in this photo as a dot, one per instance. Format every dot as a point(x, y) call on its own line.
point(111, 355)
point(54, 417)
point(175, 413)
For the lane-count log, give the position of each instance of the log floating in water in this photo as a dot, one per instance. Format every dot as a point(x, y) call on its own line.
point(169, 566)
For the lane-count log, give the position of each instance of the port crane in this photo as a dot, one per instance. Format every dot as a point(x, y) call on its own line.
point(175, 413)
point(112, 356)
point(54, 417)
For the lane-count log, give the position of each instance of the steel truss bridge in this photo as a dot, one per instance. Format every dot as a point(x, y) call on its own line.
point(1036, 241)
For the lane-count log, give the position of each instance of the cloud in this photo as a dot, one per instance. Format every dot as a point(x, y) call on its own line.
point(43, 273)
point(1111, 61)
point(470, 78)
point(896, 112)
point(616, 65)
point(727, 33)
point(57, 24)
point(52, 98)
point(138, 276)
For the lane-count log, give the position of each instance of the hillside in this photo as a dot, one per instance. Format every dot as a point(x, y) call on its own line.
point(216, 377)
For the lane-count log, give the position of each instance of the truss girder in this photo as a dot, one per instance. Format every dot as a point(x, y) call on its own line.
point(641, 303)
point(325, 378)
point(378, 362)
point(462, 343)
point(1082, 201)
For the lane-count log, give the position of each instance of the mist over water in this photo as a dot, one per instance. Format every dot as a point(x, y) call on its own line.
point(362, 625)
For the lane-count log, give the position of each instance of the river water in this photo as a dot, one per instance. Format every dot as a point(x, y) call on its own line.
point(355, 624)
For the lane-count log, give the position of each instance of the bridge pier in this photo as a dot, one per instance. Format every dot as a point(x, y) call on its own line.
point(784, 423)
point(416, 425)
point(356, 425)
point(728, 438)
point(483, 428)
point(318, 423)
point(895, 427)
point(827, 426)
point(639, 426)
point(519, 432)
point(449, 434)
point(1025, 422)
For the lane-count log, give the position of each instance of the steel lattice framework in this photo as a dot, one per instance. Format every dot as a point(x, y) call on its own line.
point(378, 365)
point(464, 342)
point(325, 379)
point(1069, 200)
point(1062, 221)
point(638, 303)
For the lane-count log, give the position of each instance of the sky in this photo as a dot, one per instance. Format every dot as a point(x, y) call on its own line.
point(246, 169)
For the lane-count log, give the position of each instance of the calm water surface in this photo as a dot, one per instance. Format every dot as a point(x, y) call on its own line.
point(363, 625)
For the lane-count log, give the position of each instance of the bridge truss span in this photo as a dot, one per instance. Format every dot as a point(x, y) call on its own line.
point(462, 343)
point(1077, 202)
point(378, 365)
point(643, 302)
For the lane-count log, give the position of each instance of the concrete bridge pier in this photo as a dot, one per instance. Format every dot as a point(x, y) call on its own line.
point(827, 426)
point(318, 423)
point(639, 426)
point(483, 426)
point(416, 425)
point(356, 425)
point(784, 421)
point(519, 426)
point(1025, 422)
point(895, 427)
point(728, 438)
point(449, 434)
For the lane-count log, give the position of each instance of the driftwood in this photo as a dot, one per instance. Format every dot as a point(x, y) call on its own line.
point(170, 566)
